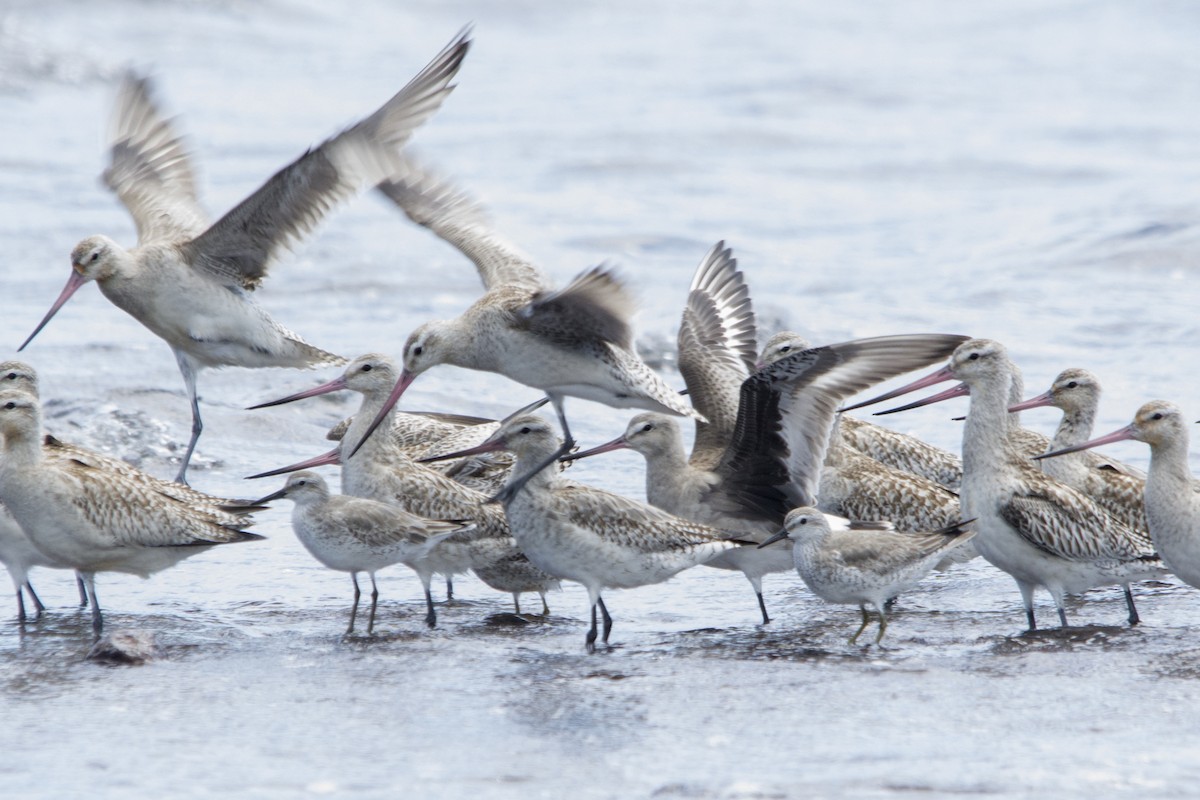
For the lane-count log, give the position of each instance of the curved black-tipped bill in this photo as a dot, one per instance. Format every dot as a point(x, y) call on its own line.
point(1119, 435)
point(955, 391)
point(73, 283)
point(1043, 399)
point(405, 380)
point(492, 444)
point(324, 460)
point(616, 444)
point(943, 374)
point(337, 384)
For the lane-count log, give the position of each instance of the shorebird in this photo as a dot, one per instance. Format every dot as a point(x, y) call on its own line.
point(587, 535)
point(90, 519)
point(772, 463)
point(382, 470)
point(897, 450)
point(1036, 529)
point(863, 567)
point(19, 555)
point(575, 341)
point(189, 282)
point(1172, 497)
point(1077, 393)
point(856, 485)
point(356, 534)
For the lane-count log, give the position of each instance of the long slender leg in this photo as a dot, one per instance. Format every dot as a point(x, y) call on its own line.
point(862, 627)
point(37, 601)
point(188, 369)
point(590, 641)
point(430, 614)
point(354, 608)
point(1058, 603)
point(516, 603)
point(756, 582)
point(83, 598)
point(1134, 619)
point(1027, 599)
point(607, 619)
point(545, 605)
point(882, 624)
point(514, 484)
point(20, 607)
point(89, 580)
point(449, 588)
point(374, 602)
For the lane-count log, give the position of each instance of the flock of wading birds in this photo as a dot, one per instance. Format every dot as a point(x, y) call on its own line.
point(773, 456)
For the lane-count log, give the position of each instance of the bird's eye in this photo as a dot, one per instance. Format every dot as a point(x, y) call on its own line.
point(418, 350)
point(366, 367)
point(647, 427)
point(1157, 416)
point(10, 405)
point(95, 257)
point(12, 376)
point(974, 357)
point(804, 520)
point(1072, 384)
point(785, 348)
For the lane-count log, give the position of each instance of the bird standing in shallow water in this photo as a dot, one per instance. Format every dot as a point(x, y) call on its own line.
point(590, 536)
point(355, 534)
point(575, 341)
point(1172, 497)
point(1039, 531)
point(189, 282)
point(863, 567)
point(92, 519)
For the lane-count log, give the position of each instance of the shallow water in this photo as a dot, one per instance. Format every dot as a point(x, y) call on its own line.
point(1025, 171)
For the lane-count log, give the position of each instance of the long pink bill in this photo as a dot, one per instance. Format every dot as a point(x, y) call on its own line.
point(333, 457)
point(1044, 399)
point(1119, 435)
point(960, 390)
point(335, 385)
point(491, 445)
point(73, 283)
point(943, 374)
point(406, 379)
point(616, 444)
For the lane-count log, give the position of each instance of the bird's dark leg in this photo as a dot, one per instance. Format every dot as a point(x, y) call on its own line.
point(1134, 619)
point(1027, 599)
point(37, 601)
point(514, 485)
point(189, 379)
point(882, 625)
point(430, 614)
point(374, 602)
point(89, 580)
point(516, 603)
point(20, 607)
point(762, 606)
point(863, 626)
point(590, 641)
point(607, 619)
point(449, 588)
point(545, 605)
point(354, 608)
point(83, 597)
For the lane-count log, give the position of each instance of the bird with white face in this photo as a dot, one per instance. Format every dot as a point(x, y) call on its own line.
point(863, 567)
point(587, 535)
point(190, 282)
point(356, 534)
point(1172, 496)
